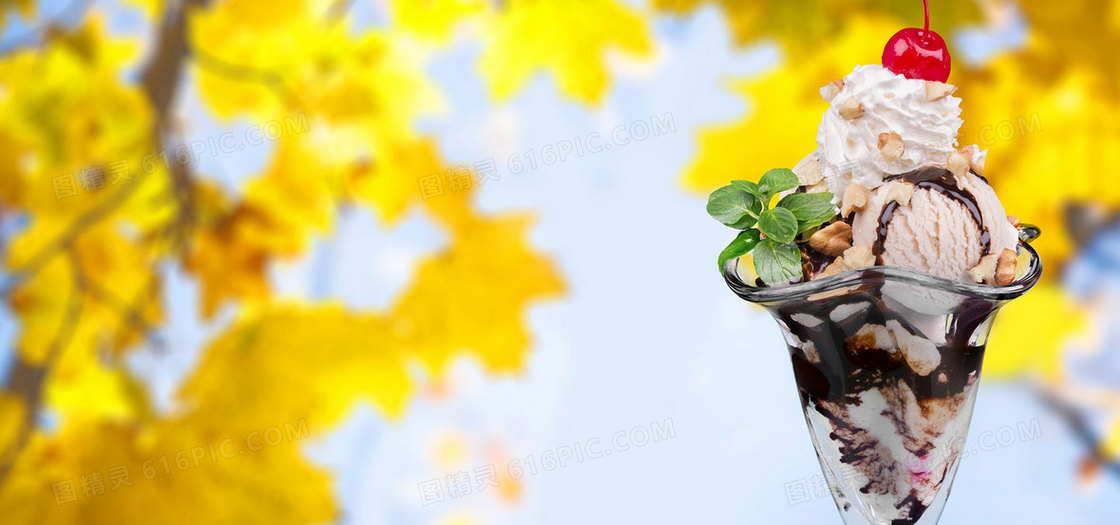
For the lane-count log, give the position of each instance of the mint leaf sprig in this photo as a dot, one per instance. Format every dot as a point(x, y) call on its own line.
point(769, 233)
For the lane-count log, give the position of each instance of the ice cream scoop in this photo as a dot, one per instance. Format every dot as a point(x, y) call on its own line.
point(933, 221)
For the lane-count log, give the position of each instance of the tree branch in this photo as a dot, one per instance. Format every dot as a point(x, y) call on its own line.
point(270, 79)
point(39, 34)
point(27, 378)
point(62, 242)
point(1082, 430)
point(132, 314)
point(160, 81)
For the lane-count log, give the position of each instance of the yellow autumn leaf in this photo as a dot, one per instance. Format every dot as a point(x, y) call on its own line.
point(253, 59)
point(82, 385)
point(13, 183)
point(1059, 35)
point(1034, 129)
point(294, 203)
point(26, 8)
point(391, 184)
point(1110, 446)
point(1029, 333)
point(67, 144)
point(433, 19)
point(809, 27)
point(150, 8)
point(568, 39)
point(282, 208)
point(12, 412)
point(86, 262)
point(49, 308)
point(476, 317)
point(307, 362)
point(98, 290)
point(94, 471)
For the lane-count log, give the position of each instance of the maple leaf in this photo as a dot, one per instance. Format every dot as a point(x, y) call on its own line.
point(57, 133)
point(308, 362)
point(86, 286)
point(391, 183)
point(140, 473)
point(1058, 37)
point(569, 39)
point(1034, 129)
point(254, 61)
point(26, 8)
point(281, 210)
point(12, 411)
point(433, 19)
point(150, 8)
point(808, 27)
point(476, 317)
point(1110, 446)
point(99, 293)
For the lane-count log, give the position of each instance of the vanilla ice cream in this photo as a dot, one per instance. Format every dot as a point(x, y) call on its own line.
point(935, 222)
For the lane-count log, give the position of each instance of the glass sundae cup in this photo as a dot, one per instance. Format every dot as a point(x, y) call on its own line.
point(887, 362)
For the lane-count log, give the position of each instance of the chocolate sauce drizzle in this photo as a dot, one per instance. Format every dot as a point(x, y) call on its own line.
point(813, 262)
point(842, 372)
point(936, 179)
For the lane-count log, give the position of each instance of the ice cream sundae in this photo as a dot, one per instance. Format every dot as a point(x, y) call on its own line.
point(884, 255)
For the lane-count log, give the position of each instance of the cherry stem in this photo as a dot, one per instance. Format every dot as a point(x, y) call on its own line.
point(925, 5)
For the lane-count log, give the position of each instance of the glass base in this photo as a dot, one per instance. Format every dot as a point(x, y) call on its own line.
point(867, 455)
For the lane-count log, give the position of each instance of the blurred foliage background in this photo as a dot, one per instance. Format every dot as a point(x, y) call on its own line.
point(100, 198)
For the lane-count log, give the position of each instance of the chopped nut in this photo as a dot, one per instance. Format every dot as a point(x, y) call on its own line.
point(1005, 267)
point(985, 269)
point(809, 173)
point(942, 378)
point(891, 146)
point(832, 239)
point(820, 186)
point(851, 109)
point(920, 353)
point(855, 198)
point(900, 192)
point(957, 163)
point(811, 353)
point(938, 90)
point(976, 158)
point(847, 311)
point(859, 257)
point(871, 336)
point(830, 91)
point(1013, 220)
point(836, 267)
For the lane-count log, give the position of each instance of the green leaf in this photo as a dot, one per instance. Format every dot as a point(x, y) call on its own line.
point(777, 181)
point(734, 207)
point(811, 209)
point(776, 262)
point(742, 245)
point(748, 186)
point(778, 224)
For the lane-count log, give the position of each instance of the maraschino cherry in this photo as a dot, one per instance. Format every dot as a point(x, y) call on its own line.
point(918, 53)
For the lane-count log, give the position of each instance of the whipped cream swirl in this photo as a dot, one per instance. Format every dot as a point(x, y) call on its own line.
point(848, 150)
